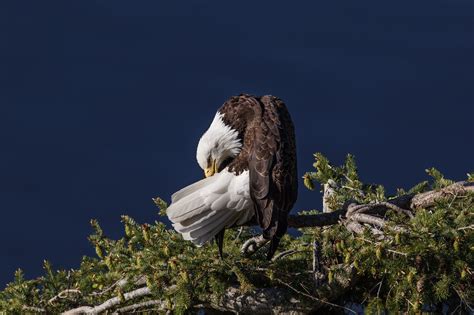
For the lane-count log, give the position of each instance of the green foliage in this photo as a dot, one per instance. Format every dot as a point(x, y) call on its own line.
point(161, 204)
point(427, 264)
point(439, 180)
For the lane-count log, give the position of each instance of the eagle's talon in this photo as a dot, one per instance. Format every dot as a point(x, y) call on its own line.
point(252, 245)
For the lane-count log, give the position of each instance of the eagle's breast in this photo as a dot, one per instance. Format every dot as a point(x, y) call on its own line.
point(242, 113)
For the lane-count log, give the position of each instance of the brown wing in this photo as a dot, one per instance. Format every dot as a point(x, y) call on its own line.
point(269, 153)
point(272, 166)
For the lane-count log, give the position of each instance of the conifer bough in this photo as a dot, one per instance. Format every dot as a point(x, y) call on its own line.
point(409, 253)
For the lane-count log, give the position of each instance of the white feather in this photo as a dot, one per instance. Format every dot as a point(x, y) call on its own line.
point(203, 209)
point(219, 142)
point(189, 189)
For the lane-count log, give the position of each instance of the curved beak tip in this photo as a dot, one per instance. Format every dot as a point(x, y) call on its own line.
point(211, 170)
point(208, 172)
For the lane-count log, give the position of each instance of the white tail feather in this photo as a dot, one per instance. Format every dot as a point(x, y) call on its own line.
point(203, 209)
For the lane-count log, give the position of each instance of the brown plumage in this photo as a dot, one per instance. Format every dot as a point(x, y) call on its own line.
point(269, 154)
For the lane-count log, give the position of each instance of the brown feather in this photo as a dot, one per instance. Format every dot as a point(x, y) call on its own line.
point(269, 153)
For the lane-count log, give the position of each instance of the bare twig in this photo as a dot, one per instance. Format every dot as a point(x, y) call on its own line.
point(317, 276)
point(316, 258)
point(469, 227)
point(314, 298)
point(119, 283)
point(388, 250)
point(380, 287)
point(241, 229)
point(286, 253)
point(34, 309)
point(64, 295)
point(463, 299)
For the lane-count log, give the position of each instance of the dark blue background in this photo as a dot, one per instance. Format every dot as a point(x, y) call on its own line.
point(102, 103)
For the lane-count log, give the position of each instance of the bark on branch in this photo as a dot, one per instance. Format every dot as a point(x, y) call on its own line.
point(403, 204)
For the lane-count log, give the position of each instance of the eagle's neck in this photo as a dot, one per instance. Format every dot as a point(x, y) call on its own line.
point(220, 140)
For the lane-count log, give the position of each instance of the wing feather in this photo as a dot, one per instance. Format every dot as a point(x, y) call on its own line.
point(211, 205)
point(189, 189)
point(272, 166)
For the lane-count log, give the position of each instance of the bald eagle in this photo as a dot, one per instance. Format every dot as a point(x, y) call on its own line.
point(248, 156)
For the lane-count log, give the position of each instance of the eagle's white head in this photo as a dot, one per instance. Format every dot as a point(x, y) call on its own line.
point(219, 143)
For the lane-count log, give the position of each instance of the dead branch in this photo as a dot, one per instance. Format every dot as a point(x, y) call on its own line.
point(429, 198)
point(134, 307)
point(329, 189)
point(33, 309)
point(78, 310)
point(110, 303)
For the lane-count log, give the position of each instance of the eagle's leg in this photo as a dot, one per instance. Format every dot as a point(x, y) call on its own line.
point(220, 242)
point(273, 247)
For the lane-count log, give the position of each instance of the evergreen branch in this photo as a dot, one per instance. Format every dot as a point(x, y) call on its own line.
point(377, 244)
point(179, 277)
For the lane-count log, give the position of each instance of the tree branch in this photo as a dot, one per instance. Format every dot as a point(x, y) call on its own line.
point(430, 198)
point(110, 303)
point(400, 204)
point(137, 306)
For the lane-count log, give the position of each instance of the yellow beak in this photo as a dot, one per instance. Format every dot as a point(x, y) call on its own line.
point(211, 170)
